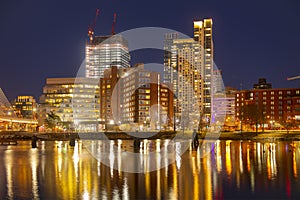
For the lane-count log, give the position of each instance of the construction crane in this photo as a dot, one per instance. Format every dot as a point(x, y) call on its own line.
point(293, 78)
point(92, 26)
point(113, 24)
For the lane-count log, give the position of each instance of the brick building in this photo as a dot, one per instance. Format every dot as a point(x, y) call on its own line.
point(136, 97)
point(268, 106)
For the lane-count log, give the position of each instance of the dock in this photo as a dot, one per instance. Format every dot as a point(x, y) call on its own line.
point(8, 142)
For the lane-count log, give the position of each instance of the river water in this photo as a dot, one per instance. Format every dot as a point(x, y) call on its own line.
point(227, 170)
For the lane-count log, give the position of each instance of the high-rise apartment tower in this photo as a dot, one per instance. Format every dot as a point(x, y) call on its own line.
point(188, 66)
point(203, 35)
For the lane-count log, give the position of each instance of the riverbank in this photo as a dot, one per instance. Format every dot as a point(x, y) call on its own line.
point(266, 136)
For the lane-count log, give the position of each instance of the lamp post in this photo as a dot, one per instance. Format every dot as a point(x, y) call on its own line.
point(241, 127)
point(241, 120)
point(174, 120)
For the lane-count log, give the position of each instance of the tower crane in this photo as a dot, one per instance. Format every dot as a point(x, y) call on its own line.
point(113, 24)
point(92, 26)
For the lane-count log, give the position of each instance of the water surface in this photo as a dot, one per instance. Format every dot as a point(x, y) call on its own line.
point(229, 170)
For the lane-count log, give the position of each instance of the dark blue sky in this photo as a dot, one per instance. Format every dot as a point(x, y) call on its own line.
point(46, 38)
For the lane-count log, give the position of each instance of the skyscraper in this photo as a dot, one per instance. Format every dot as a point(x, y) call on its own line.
point(203, 35)
point(185, 75)
point(217, 82)
point(188, 66)
point(104, 52)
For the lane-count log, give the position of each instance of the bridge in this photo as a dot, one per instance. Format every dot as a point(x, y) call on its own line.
point(9, 121)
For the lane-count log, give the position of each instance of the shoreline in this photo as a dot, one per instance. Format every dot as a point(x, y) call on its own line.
point(253, 136)
point(265, 136)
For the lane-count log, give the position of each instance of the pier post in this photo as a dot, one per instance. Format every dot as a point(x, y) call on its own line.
point(195, 142)
point(136, 143)
point(72, 140)
point(33, 141)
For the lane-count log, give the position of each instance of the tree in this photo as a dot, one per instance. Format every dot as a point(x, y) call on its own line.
point(288, 124)
point(252, 115)
point(52, 121)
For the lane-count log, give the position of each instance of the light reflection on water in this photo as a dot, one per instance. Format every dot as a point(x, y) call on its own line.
point(232, 169)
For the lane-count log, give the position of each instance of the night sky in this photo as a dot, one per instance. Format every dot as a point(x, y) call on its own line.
point(46, 38)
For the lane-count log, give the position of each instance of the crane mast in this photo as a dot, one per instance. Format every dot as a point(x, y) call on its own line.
point(92, 26)
point(113, 24)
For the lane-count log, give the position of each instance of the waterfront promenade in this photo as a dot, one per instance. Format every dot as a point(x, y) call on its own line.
point(267, 135)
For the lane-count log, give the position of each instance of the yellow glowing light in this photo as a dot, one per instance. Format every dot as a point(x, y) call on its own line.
point(208, 21)
point(198, 24)
point(295, 172)
point(228, 158)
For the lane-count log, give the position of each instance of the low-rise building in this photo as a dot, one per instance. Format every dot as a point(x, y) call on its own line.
point(224, 108)
point(74, 100)
point(268, 107)
point(25, 106)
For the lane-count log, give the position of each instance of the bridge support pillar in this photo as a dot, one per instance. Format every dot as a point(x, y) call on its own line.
point(33, 141)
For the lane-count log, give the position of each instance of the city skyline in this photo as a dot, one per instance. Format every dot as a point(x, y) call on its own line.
point(108, 99)
point(248, 41)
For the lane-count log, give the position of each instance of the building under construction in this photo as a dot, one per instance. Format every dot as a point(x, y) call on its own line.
point(106, 51)
point(102, 52)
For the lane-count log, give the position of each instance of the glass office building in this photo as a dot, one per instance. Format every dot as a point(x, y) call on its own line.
point(74, 100)
point(104, 52)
